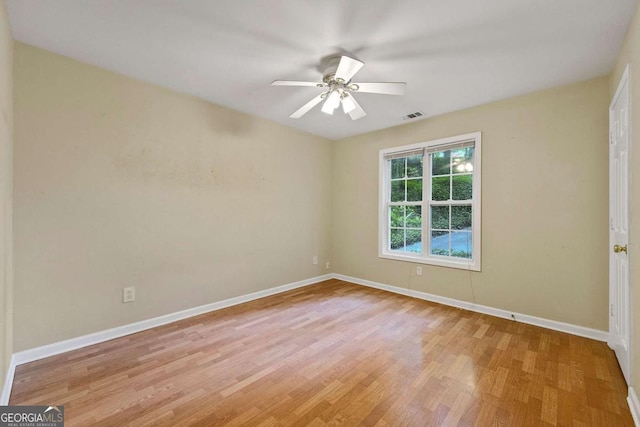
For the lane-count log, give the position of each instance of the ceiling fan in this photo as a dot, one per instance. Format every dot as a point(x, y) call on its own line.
point(340, 89)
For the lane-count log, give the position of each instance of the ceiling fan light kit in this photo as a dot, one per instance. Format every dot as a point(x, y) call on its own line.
point(337, 80)
point(347, 103)
point(332, 102)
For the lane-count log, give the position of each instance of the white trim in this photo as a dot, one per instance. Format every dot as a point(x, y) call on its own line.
point(623, 78)
point(497, 312)
point(634, 406)
point(38, 353)
point(8, 383)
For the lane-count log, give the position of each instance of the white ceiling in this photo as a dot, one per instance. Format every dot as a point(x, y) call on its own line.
point(453, 54)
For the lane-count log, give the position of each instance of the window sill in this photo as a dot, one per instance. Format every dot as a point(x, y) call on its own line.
point(434, 260)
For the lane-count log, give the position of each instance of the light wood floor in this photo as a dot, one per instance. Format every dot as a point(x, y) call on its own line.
point(334, 354)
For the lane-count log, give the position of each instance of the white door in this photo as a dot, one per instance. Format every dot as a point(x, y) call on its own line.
point(619, 298)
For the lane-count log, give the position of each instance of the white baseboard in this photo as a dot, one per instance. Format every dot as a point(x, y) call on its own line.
point(524, 318)
point(634, 405)
point(37, 353)
point(8, 382)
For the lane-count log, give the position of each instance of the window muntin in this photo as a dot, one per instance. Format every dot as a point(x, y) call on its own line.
point(437, 223)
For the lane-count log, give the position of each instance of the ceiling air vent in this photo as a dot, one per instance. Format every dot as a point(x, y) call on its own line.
point(412, 116)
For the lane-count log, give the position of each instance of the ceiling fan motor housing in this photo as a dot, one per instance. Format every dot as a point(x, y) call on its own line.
point(329, 77)
point(330, 71)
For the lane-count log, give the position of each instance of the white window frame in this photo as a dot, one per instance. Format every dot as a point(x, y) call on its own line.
point(384, 251)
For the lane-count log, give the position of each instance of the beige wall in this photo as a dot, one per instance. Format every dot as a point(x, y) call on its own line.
point(122, 183)
point(6, 192)
point(544, 205)
point(630, 54)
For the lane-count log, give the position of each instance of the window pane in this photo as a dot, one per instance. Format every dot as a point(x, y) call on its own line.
point(440, 217)
point(414, 190)
point(396, 239)
point(397, 191)
point(440, 188)
point(462, 187)
point(440, 243)
point(462, 160)
point(414, 166)
point(461, 244)
point(414, 216)
point(441, 162)
point(414, 241)
point(461, 217)
point(397, 216)
point(397, 168)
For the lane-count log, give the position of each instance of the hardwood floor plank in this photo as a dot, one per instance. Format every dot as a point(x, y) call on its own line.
point(334, 353)
point(549, 406)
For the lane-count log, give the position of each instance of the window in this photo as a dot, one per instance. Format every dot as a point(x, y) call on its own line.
point(430, 202)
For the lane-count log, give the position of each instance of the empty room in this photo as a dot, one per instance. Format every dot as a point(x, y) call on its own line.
point(358, 213)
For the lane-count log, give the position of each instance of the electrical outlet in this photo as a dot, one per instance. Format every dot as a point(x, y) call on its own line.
point(128, 294)
point(315, 260)
point(419, 271)
point(328, 265)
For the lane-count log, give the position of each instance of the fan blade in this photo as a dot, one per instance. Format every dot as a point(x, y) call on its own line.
point(295, 83)
point(357, 112)
point(389, 88)
point(308, 106)
point(347, 68)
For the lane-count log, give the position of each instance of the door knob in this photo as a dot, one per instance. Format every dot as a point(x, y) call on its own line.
point(617, 249)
